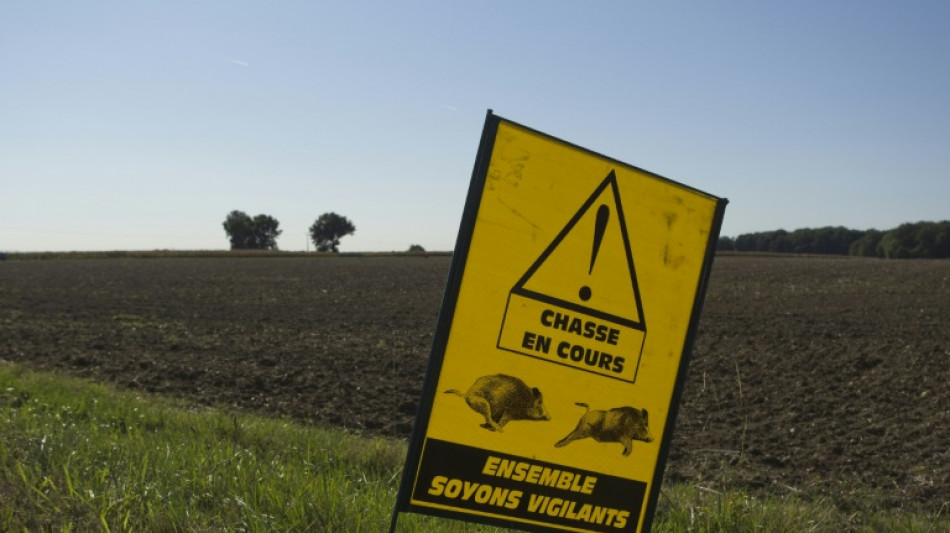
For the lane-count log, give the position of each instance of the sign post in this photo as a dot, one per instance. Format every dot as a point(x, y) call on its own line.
point(563, 341)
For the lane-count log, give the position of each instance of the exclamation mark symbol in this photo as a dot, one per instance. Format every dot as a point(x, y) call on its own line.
point(600, 226)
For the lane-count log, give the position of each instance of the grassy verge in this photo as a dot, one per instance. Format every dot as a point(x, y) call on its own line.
point(691, 508)
point(76, 456)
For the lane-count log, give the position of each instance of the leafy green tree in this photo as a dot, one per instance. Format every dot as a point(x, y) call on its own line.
point(725, 244)
point(778, 241)
point(744, 243)
point(917, 240)
point(867, 245)
point(908, 241)
point(266, 231)
point(327, 231)
point(246, 233)
point(417, 248)
point(826, 240)
point(941, 244)
point(898, 242)
point(239, 228)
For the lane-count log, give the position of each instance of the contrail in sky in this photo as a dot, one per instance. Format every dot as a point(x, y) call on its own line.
point(237, 61)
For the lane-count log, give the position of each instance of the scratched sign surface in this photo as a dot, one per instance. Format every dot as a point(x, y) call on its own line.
point(569, 310)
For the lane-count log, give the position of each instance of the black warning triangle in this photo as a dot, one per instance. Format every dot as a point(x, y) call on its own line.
point(588, 267)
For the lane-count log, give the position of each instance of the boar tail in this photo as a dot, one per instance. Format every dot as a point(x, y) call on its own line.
point(453, 391)
point(582, 404)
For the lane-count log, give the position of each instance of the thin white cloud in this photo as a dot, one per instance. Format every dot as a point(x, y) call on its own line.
point(237, 61)
point(449, 107)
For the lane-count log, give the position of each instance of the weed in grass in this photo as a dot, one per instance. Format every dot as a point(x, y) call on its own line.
point(76, 456)
point(697, 509)
point(81, 457)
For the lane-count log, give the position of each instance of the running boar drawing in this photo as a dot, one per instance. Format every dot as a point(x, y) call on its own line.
point(501, 398)
point(620, 424)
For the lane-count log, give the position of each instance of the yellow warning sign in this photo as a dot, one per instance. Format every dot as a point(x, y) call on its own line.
point(565, 332)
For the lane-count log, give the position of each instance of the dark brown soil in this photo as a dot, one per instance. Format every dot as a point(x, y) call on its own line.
point(810, 374)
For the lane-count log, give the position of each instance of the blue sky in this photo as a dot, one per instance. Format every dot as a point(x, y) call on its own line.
point(140, 125)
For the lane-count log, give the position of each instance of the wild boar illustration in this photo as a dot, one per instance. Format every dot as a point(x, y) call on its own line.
point(501, 398)
point(620, 424)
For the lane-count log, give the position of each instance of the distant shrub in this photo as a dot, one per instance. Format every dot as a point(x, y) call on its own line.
point(908, 241)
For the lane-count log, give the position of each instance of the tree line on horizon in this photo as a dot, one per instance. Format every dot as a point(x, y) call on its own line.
point(260, 232)
point(912, 240)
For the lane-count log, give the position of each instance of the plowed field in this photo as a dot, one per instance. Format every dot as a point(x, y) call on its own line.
point(810, 374)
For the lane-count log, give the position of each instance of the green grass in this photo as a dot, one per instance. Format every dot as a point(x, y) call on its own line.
point(698, 509)
point(77, 456)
